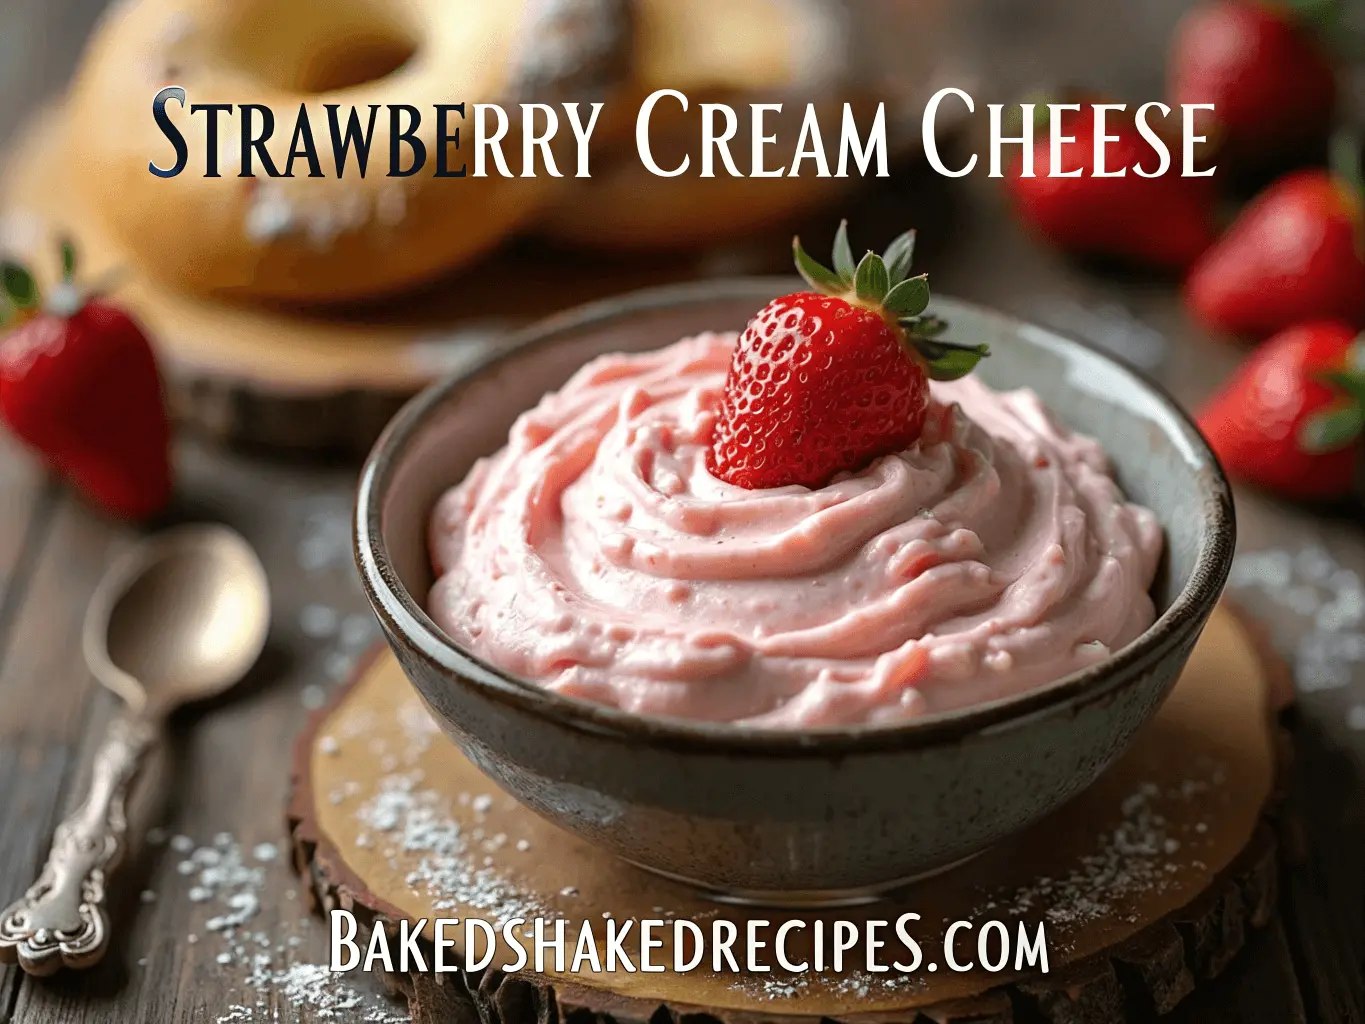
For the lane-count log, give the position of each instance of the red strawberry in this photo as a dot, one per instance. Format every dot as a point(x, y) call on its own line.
point(1291, 417)
point(1163, 222)
point(78, 382)
point(1270, 80)
point(827, 381)
point(1293, 255)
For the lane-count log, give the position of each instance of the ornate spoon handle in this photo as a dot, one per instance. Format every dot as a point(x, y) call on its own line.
point(61, 920)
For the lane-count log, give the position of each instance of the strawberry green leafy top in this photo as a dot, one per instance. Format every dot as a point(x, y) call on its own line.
point(882, 283)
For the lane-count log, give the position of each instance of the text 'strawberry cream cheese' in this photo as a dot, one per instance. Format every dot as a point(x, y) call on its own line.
point(596, 555)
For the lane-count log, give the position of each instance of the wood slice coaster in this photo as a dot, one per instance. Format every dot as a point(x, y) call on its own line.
point(1147, 882)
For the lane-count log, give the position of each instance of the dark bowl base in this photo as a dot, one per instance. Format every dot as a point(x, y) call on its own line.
point(809, 899)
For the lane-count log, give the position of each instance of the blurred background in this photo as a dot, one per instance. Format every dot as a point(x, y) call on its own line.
point(1021, 42)
point(284, 318)
point(260, 337)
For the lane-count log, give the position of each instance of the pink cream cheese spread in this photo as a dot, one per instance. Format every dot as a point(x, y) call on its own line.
point(597, 556)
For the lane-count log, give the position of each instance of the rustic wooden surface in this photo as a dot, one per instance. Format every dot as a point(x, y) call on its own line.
point(230, 761)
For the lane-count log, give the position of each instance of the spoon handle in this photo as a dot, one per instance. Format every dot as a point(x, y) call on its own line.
point(62, 920)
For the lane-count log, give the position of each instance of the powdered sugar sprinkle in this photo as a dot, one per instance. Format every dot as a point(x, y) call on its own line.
point(230, 880)
point(1328, 600)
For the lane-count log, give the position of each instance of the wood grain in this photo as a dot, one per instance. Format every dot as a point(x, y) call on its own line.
point(1325, 885)
point(24, 496)
point(46, 709)
point(1260, 985)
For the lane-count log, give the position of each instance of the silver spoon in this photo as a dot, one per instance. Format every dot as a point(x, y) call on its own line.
point(181, 618)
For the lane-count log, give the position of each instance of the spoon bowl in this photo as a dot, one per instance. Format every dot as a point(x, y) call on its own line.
point(181, 618)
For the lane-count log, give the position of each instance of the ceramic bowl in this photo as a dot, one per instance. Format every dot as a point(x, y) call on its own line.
point(828, 815)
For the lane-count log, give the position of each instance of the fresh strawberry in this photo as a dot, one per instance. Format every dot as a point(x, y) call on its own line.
point(1269, 78)
point(1164, 222)
point(1291, 418)
point(1292, 256)
point(826, 381)
point(79, 383)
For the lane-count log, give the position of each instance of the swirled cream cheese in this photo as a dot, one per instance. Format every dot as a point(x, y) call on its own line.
point(597, 556)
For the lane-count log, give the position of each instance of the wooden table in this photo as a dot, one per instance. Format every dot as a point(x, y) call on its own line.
point(229, 762)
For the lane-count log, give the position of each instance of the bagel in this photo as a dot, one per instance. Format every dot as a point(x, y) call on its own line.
point(325, 238)
point(726, 51)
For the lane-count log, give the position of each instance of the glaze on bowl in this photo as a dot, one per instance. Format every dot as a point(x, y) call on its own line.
point(827, 815)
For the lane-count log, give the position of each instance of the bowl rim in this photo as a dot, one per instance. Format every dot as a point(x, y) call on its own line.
point(406, 619)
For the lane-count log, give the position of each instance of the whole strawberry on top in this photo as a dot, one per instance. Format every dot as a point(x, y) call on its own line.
point(1268, 76)
point(1164, 222)
point(79, 383)
point(1296, 253)
point(1292, 418)
point(826, 381)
